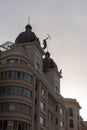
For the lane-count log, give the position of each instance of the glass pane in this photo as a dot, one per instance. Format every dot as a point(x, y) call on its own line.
point(41, 120)
point(14, 74)
point(17, 90)
point(15, 125)
point(6, 106)
point(19, 126)
point(10, 74)
point(18, 74)
point(22, 91)
point(41, 105)
point(8, 90)
point(1, 90)
point(12, 90)
point(11, 106)
point(5, 125)
point(0, 124)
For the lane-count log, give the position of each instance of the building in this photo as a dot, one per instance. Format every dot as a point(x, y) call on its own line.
point(30, 96)
point(72, 114)
point(83, 124)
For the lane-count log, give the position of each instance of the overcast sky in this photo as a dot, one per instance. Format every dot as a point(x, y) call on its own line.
point(66, 22)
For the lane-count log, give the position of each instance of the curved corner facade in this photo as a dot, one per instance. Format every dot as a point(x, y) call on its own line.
point(16, 90)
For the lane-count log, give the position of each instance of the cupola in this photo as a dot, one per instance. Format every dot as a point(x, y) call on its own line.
point(26, 36)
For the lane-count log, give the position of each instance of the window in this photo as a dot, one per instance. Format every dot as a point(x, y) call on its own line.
point(27, 77)
point(4, 90)
point(8, 89)
point(51, 118)
point(0, 124)
point(17, 61)
point(71, 123)
point(16, 74)
point(15, 90)
point(12, 90)
point(1, 107)
point(22, 91)
point(43, 92)
point(4, 75)
point(56, 88)
point(5, 125)
point(61, 111)
point(6, 107)
point(23, 62)
point(35, 117)
point(14, 125)
point(10, 74)
point(70, 112)
point(15, 107)
point(56, 108)
point(42, 121)
point(37, 66)
point(11, 106)
point(12, 60)
point(1, 90)
point(28, 93)
point(56, 121)
point(61, 124)
point(42, 105)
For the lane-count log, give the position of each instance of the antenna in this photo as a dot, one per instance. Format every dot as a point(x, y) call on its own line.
point(29, 20)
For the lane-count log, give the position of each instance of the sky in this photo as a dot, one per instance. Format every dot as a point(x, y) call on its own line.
point(66, 22)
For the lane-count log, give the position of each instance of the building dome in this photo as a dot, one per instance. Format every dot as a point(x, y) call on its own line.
point(26, 36)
